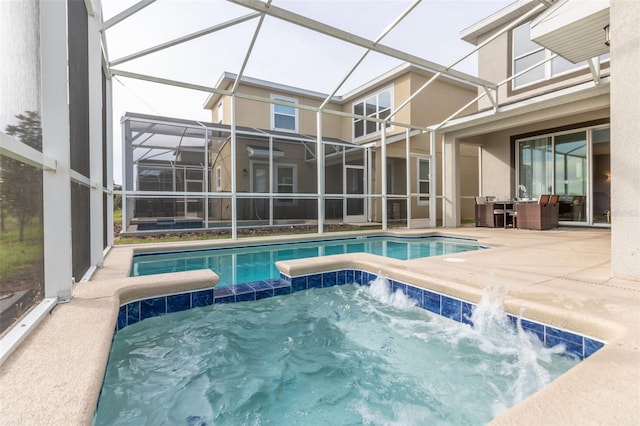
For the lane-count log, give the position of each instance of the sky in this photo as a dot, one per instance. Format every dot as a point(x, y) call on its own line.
point(282, 53)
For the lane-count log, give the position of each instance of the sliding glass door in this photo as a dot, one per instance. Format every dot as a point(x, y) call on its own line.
point(575, 165)
point(535, 167)
point(601, 172)
point(571, 175)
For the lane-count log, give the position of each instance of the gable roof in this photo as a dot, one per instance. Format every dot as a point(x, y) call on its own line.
point(474, 33)
point(381, 80)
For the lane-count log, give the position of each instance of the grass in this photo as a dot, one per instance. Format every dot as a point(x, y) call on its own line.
point(166, 238)
point(16, 255)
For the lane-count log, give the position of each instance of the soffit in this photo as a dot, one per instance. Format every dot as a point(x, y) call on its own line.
point(574, 29)
point(474, 33)
point(588, 96)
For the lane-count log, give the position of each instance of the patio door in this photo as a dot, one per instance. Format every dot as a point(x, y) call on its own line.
point(576, 166)
point(354, 182)
point(601, 176)
point(571, 175)
point(260, 183)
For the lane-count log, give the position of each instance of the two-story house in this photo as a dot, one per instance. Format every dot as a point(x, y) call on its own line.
point(546, 129)
point(352, 163)
point(268, 162)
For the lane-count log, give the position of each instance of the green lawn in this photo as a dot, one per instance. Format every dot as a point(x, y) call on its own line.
point(16, 255)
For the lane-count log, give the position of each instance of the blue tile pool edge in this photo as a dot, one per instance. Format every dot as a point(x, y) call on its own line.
point(440, 304)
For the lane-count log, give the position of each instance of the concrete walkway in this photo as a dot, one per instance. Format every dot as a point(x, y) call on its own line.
point(561, 277)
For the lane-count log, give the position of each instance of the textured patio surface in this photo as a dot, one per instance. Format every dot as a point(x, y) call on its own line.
point(561, 277)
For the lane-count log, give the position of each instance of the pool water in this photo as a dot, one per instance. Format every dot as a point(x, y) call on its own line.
point(257, 263)
point(339, 356)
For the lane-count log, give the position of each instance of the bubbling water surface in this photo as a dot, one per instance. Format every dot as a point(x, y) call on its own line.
point(340, 356)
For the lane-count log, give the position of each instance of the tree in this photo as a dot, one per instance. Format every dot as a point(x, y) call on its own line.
point(21, 184)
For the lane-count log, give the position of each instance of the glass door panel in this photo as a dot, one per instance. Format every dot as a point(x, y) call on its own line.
point(571, 175)
point(354, 186)
point(260, 183)
point(535, 167)
point(601, 176)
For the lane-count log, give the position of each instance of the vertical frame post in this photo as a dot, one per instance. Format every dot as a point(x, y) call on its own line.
point(56, 143)
point(433, 199)
point(234, 167)
point(407, 156)
point(320, 172)
point(383, 173)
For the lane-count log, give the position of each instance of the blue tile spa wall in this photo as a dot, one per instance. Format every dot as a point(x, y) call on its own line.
point(439, 304)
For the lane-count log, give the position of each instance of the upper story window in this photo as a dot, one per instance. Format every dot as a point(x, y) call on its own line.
point(284, 117)
point(527, 53)
point(376, 106)
point(220, 112)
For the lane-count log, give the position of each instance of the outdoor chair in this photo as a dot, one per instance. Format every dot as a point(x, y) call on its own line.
point(502, 214)
point(538, 215)
point(484, 213)
point(577, 207)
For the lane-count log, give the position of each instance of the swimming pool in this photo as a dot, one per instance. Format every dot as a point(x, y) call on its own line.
point(257, 262)
point(342, 355)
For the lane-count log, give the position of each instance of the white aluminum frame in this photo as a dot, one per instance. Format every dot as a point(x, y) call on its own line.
point(54, 161)
point(264, 9)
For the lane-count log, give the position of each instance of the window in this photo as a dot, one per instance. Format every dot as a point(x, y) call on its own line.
point(535, 167)
point(285, 182)
point(285, 179)
point(527, 53)
point(284, 117)
point(219, 178)
point(220, 112)
point(423, 181)
point(377, 106)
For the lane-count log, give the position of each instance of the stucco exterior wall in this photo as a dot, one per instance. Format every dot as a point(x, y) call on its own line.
point(258, 114)
point(294, 155)
point(438, 101)
point(625, 128)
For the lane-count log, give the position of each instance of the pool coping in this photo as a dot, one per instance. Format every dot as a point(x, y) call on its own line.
point(566, 285)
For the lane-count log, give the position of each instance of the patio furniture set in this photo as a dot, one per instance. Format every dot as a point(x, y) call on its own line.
point(524, 214)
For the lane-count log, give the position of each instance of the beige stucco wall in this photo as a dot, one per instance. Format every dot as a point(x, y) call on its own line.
point(432, 105)
point(438, 100)
point(294, 154)
point(625, 128)
point(258, 114)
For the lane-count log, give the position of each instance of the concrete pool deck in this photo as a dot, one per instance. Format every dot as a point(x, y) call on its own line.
point(561, 277)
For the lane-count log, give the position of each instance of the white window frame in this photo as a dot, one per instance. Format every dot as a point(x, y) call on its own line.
point(276, 183)
point(374, 115)
point(548, 66)
point(273, 113)
point(276, 194)
point(219, 178)
point(421, 201)
point(220, 111)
